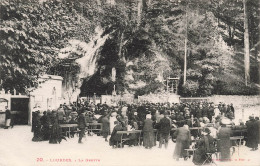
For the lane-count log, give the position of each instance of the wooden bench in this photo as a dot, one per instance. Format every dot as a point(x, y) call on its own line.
point(122, 133)
point(96, 130)
point(69, 126)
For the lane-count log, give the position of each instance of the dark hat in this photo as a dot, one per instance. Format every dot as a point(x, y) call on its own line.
point(165, 113)
point(207, 130)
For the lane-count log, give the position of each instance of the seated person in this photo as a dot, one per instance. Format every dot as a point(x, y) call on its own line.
point(204, 145)
point(196, 133)
point(116, 138)
point(133, 136)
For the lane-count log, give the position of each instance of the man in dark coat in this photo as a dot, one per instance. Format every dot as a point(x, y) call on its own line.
point(164, 130)
point(224, 142)
point(82, 124)
point(61, 113)
point(205, 110)
point(232, 108)
point(258, 128)
point(252, 139)
point(211, 112)
point(199, 111)
point(105, 127)
point(183, 141)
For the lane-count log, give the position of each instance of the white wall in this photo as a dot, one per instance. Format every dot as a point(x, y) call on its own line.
point(237, 100)
point(48, 94)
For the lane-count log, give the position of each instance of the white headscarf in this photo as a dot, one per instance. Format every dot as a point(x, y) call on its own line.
point(148, 116)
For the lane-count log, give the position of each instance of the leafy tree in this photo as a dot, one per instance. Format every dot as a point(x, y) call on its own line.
point(32, 34)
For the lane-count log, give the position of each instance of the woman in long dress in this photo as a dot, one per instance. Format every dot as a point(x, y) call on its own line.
point(37, 135)
point(148, 133)
point(183, 141)
point(55, 133)
point(224, 142)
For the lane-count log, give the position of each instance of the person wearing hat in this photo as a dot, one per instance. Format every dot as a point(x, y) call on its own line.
point(105, 126)
point(224, 143)
point(45, 121)
point(204, 145)
point(115, 138)
point(257, 123)
point(164, 130)
point(8, 117)
point(82, 124)
point(37, 130)
point(148, 133)
point(183, 141)
point(252, 135)
point(61, 113)
point(199, 111)
point(210, 114)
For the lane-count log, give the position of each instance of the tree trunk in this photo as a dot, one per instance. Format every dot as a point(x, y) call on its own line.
point(111, 2)
point(98, 3)
point(149, 2)
point(257, 55)
point(120, 55)
point(139, 11)
point(246, 45)
point(185, 50)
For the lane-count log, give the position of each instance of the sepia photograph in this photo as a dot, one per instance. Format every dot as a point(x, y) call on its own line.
point(129, 82)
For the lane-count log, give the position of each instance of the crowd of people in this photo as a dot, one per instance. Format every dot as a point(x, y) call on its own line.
point(214, 123)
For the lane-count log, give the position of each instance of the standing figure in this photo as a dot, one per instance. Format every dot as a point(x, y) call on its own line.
point(8, 116)
point(183, 141)
point(46, 122)
point(105, 127)
point(61, 113)
point(224, 143)
point(82, 124)
point(164, 130)
point(55, 131)
point(112, 120)
point(258, 128)
point(148, 133)
point(37, 136)
point(252, 134)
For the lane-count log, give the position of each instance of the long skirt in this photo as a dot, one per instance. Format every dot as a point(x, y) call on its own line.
point(148, 139)
point(7, 122)
point(224, 149)
point(199, 156)
point(37, 135)
point(179, 151)
point(55, 135)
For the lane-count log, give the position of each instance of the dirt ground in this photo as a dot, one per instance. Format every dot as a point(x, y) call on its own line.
point(17, 149)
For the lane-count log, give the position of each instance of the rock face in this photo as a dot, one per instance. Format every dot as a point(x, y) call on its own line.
point(82, 57)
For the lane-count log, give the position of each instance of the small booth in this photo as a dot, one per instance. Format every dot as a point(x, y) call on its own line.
point(46, 95)
point(3, 104)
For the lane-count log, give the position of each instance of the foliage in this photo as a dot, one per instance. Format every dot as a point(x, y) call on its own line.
point(32, 34)
point(144, 49)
